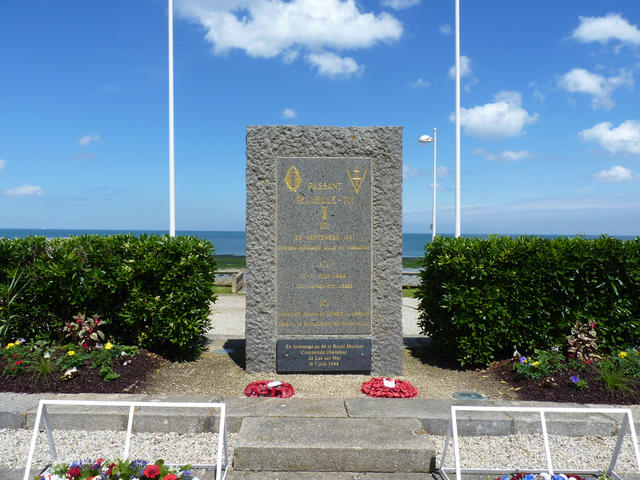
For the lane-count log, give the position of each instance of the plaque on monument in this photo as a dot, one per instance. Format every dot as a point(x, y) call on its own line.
point(324, 355)
point(323, 214)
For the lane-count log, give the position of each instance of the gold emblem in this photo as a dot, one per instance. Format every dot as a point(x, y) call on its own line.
point(356, 180)
point(293, 179)
point(325, 210)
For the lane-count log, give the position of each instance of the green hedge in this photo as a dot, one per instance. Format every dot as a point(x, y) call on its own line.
point(481, 297)
point(152, 291)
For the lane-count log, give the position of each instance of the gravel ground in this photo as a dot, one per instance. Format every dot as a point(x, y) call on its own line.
point(511, 452)
point(74, 444)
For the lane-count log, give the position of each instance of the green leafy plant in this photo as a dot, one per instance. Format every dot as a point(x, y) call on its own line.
point(84, 331)
point(577, 382)
point(9, 294)
point(615, 378)
point(478, 297)
point(542, 364)
point(583, 341)
point(149, 290)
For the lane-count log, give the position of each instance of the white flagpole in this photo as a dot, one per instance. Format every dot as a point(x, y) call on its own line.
point(172, 187)
point(457, 203)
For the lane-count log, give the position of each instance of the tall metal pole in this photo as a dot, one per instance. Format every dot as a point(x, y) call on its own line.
point(433, 215)
point(457, 203)
point(172, 188)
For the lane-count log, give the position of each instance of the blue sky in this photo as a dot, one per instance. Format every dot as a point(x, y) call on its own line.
point(550, 124)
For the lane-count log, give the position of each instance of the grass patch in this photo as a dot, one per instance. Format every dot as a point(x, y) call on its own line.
point(221, 289)
point(409, 292)
point(412, 262)
point(230, 261)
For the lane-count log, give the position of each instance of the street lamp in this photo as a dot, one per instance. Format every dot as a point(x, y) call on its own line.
point(428, 139)
point(457, 201)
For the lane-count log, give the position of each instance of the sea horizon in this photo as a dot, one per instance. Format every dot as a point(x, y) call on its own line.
point(233, 242)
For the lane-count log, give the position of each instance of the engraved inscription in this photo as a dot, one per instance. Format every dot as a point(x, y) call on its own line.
point(324, 355)
point(323, 279)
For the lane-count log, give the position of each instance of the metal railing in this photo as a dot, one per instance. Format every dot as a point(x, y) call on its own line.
point(627, 423)
point(222, 456)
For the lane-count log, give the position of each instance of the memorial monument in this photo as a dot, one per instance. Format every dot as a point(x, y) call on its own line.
point(324, 249)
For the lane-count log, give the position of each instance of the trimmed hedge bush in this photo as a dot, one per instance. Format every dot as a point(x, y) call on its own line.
point(481, 297)
point(151, 291)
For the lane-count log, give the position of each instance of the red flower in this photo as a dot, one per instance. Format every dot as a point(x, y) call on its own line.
point(588, 362)
point(15, 355)
point(99, 461)
point(73, 472)
point(13, 368)
point(18, 362)
point(110, 469)
point(170, 476)
point(151, 471)
point(84, 345)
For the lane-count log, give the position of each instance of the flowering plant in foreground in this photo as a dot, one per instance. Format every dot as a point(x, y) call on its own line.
point(102, 469)
point(546, 476)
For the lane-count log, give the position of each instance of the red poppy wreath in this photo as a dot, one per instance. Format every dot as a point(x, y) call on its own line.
point(388, 388)
point(268, 388)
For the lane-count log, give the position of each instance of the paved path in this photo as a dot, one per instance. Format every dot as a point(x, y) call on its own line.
point(228, 316)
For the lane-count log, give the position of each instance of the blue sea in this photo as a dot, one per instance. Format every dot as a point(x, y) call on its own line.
point(234, 243)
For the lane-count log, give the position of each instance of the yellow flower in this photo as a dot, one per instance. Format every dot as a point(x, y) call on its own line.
point(71, 353)
point(622, 354)
point(108, 346)
point(535, 364)
point(10, 345)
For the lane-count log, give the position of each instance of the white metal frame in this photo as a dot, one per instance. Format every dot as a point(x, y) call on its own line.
point(453, 431)
point(42, 415)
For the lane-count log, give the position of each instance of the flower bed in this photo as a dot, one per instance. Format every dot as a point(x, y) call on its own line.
point(101, 469)
point(546, 476)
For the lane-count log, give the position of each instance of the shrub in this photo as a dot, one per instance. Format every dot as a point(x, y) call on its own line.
point(479, 297)
point(151, 291)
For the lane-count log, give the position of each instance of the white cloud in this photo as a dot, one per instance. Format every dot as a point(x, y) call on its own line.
point(25, 191)
point(465, 68)
point(603, 29)
point(624, 138)
point(289, 113)
point(614, 174)
point(509, 156)
point(503, 119)
point(408, 171)
point(438, 186)
point(400, 4)
point(87, 139)
point(334, 66)
point(269, 28)
point(445, 29)
point(583, 81)
point(419, 83)
point(442, 172)
point(3, 163)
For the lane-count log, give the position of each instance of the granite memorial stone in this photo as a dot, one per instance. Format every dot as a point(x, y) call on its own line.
point(324, 249)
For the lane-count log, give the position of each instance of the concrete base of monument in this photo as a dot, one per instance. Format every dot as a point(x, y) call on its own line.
point(333, 444)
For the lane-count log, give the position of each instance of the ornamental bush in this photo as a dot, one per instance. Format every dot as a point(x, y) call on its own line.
point(151, 291)
point(480, 298)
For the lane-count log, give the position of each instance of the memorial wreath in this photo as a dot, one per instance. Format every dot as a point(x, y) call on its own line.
point(268, 388)
point(388, 388)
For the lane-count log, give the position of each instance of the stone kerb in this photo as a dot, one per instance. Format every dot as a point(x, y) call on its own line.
point(382, 146)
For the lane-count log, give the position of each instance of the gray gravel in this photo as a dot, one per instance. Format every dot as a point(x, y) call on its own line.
point(510, 452)
point(74, 445)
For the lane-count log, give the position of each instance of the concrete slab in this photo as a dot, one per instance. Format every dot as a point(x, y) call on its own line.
point(332, 444)
point(227, 316)
point(237, 475)
point(434, 414)
point(13, 409)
